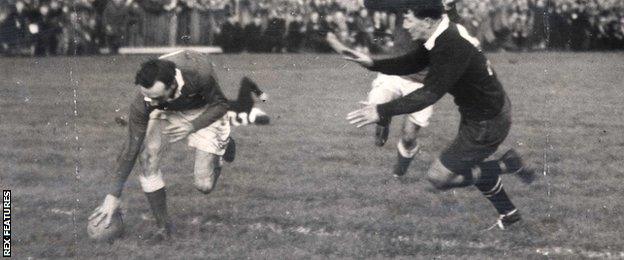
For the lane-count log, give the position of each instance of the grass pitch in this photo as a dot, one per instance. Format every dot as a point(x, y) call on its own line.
point(309, 185)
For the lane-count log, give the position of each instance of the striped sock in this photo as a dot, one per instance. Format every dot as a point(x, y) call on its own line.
point(491, 186)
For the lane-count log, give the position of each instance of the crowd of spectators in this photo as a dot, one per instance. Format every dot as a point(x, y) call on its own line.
point(81, 27)
point(546, 24)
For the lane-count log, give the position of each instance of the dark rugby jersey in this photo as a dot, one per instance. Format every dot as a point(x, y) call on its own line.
point(456, 66)
point(403, 42)
point(200, 89)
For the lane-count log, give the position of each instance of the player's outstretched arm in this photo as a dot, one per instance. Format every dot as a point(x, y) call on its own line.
point(447, 66)
point(138, 117)
point(348, 53)
point(409, 63)
point(137, 126)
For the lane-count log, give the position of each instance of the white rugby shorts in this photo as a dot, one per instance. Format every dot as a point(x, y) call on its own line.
point(386, 88)
point(212, 139)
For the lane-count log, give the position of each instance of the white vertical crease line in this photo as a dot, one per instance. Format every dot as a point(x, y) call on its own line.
point(76, 146)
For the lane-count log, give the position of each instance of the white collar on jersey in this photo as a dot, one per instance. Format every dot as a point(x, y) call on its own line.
point(179, 81)
point(430, 43)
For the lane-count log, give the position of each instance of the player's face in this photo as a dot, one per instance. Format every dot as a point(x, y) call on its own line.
point(158, 93)
point(416, 27)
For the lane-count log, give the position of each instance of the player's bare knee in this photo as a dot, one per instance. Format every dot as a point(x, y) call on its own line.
point(206, 171)
point(203, 182)
point(204, 187)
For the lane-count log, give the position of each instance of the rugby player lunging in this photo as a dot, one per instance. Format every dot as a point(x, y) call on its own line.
point(386, 88)
point(178, 96)
point(458, 67)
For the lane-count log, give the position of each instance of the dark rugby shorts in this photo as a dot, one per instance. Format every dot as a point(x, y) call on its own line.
point(476, 141)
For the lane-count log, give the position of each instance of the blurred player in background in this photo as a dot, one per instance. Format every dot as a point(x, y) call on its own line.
point(178, 96)
point(386, 88)
point(458, 67)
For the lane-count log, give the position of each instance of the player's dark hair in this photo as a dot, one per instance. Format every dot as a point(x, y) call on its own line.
point(155, 70)
point(421, 8)
point(432, 11)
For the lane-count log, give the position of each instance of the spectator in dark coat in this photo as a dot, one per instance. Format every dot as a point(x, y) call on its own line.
point(135, 28)
point(253, 35)
point(296, 33)
point(538, 32)
point(18, 38)
point(275, 33)
point(558, 37)
point(115, 19)
point(365, 29)
point(46, 41)
point(316, 30)
point(11, 31)
point(82, 39)
point(381, 31)
point(231, 36)
point(579, 39)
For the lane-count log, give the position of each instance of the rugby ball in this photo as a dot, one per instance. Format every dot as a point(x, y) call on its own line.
point(101, 233)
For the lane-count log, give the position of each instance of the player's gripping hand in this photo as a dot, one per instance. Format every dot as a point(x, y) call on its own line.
point(102, 215)
point(364, 116)
point(177, 132)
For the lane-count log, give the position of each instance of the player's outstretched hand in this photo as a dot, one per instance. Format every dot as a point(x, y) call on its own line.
point(349, 54)
point(177, 132)
point(102, 215)
point(358, 57)
point(364, 116)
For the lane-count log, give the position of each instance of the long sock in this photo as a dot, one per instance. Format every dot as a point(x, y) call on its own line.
point(158, 203)
point(491, 186)
point(404, 158)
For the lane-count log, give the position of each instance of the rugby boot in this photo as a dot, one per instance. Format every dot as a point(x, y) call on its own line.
point(516, 166)
point(506, 220)
point(401, 165)
point(159, 235)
